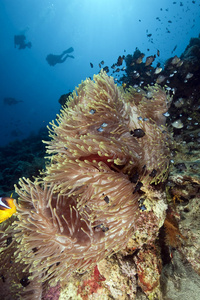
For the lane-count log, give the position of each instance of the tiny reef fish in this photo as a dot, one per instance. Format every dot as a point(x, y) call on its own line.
point(7, 208)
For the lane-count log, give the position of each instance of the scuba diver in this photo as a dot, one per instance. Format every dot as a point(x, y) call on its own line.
point(19, 40)
point(55, 59)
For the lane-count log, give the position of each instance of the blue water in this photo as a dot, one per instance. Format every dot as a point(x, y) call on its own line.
point(96, 29)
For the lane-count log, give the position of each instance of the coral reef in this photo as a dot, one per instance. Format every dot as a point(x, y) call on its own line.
point(102, 189)
point(184, 183)
point(180, 278)
point(21, 158)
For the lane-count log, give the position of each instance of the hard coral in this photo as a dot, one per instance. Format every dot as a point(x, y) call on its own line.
point(110, 147)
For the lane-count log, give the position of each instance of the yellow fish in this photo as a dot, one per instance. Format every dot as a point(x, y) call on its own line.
point(7, 208)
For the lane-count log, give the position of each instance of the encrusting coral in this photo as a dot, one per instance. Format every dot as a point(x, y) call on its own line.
point(101, 187)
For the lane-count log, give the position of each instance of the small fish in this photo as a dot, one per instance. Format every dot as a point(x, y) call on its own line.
point(158, 70)
point(180, 102)
point(160, 78)
point(136, 75)
point(177, 124)
point(174, 49)
point(179, 64)
point(102, 62)
point(124, 85)
point(189, 75)
point(158, 52)
point(175, 60)
point(7, 208)
point(120, 60)
point(139, 59)
point(91, 65)
point(148, 73)
point(149, 60)
point(106, 69)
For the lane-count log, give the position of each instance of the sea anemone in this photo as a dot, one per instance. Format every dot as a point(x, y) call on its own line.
point(109, 147)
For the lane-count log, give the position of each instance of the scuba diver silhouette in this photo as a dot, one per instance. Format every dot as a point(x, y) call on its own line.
point(53, 59)
point(19, 40)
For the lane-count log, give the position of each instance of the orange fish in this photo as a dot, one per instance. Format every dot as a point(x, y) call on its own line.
point(7, 208)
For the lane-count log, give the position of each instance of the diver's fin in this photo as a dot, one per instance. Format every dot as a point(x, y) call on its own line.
point(70, 50)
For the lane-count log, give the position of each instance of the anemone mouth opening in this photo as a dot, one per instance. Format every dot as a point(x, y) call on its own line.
point(74, 223)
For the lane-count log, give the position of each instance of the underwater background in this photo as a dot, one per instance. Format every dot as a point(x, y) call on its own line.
point(98, 30)
point(151, 51)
